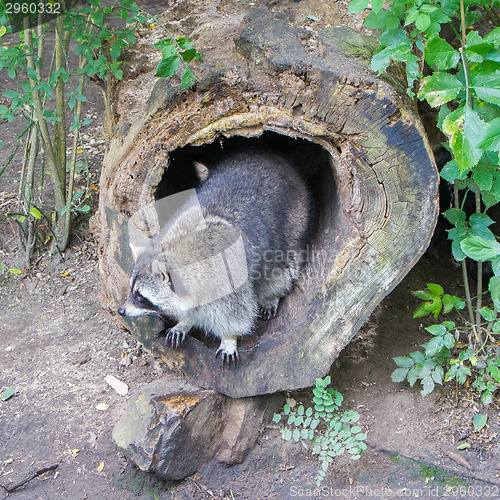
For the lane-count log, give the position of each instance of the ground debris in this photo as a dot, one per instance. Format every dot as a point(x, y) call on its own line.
point(31, 476)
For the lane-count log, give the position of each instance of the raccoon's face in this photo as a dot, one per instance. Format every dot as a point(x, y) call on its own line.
point(151, 293)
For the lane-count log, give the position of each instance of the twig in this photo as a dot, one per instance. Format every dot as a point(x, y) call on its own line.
point(29, 478)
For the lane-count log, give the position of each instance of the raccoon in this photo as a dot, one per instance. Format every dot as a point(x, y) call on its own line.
point(231, 252)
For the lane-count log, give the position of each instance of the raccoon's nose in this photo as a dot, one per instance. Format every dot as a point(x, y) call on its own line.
point(121, 311)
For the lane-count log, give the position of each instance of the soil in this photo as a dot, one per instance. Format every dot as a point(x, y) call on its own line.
point(57, 346)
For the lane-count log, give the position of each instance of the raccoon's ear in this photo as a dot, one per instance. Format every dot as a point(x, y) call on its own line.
point(160, 269)
point(137, 249)
point(201, 171)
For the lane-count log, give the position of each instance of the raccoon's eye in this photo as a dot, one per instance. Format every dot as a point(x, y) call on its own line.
point(142, 302)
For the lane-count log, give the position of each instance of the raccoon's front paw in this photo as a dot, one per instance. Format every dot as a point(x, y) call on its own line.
point(175, 336)
point(270, 310)
point(229, 352)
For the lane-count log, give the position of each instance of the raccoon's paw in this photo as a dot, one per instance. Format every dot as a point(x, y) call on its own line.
point(228, 351)
point(175, 336)
point(270, 310)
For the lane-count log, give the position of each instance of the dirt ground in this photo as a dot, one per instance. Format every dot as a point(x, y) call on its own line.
point(57, 346)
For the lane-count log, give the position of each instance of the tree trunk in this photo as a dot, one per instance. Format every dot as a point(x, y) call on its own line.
point(378, 200)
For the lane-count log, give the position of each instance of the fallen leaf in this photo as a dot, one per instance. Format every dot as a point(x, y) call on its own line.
point(120, 387)
point(7, 393)
point(102, 406)
point(458, 458)
point(100, 467)
point(8, 461)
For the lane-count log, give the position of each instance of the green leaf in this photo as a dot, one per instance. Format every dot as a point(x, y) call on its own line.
point(383, 20)
point(487, 86)
point(456, 216)
point(13, 270)
point(435, 289)
point(184, 43)
point(440, 88)
point(287, 434)
point(422, 22)
point(35, 213)
point(463, 446)
point(188, 78)
point(428, 386)
point(377, 5)
point(422, 310)
point(11, 94)
point(276, 418)
point(309, 412)
point(480, 421)
point(480, 220)
point(167, 67)
point(449, 341)
point(381, 59)
point(437, 375)
point(488, 314)
point(296, 434)
point(436, 329)
point(399, 374)
point(115, 51)
point(188, 55)
point(494, 289)
point(417, 356)
point(479, 248)
point(403, 362)
point(450, 171)
point(490, 137)
point(356, 6)
point(434, 346)
point(423, 294)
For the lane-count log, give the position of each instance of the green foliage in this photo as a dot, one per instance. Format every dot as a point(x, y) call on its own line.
point(435, 301)
point(99, 44)
point(488, 380)
point(173, 52)
point(331, 433)
point(465, 85)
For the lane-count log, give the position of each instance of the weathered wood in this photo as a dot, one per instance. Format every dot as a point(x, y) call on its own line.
point(259, 74)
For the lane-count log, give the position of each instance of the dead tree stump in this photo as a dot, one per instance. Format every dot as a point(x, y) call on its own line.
point(377, 196)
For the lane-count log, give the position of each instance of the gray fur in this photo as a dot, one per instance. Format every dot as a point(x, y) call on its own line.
point(256, 213)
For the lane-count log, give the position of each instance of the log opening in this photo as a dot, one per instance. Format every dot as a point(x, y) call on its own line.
point(314, 163)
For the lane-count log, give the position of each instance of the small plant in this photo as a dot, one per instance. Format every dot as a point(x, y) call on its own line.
point(435, 301)
point(330, 433)
point(488, 380)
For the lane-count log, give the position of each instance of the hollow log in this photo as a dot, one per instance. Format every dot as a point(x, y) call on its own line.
point(376, 184)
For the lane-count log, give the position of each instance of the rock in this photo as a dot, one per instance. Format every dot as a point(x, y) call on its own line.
point(245, 420)
point(171, 428)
